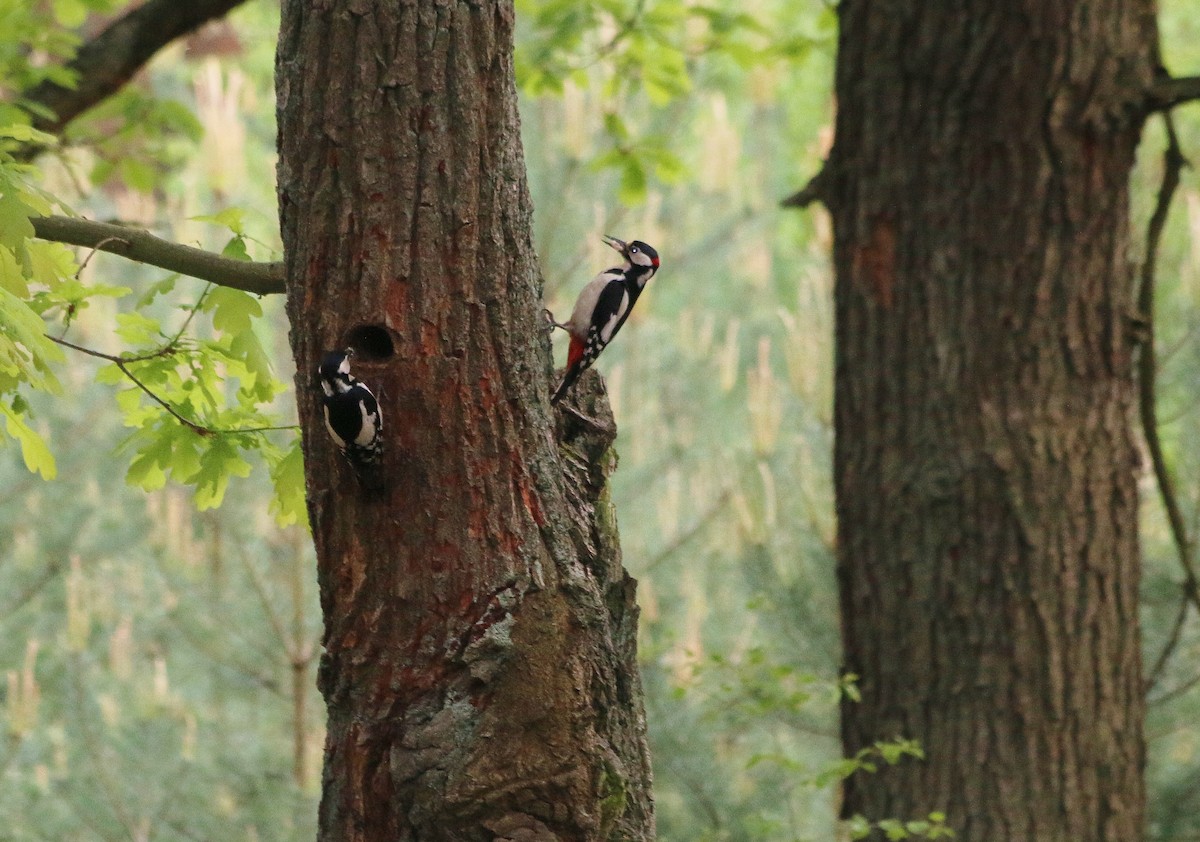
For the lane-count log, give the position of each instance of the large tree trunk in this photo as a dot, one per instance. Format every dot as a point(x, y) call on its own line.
point(985, 467)
point(479, 641)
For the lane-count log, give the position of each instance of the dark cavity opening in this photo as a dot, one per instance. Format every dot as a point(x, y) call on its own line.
point(371, 343)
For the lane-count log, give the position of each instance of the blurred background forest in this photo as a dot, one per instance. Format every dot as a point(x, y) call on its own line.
point(160, 650)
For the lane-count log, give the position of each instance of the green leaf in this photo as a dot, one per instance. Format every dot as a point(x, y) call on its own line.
point(25, 350)
point(893, 829)
point(145, 473)
point(231, 218)
point(858, 827)
point(27, 134)
point(287, 475)
point(633, 183)
point(12, 277)
point(70, 13)
point(258, 376)
point(37, 456)
point(138, 174)
point(185, 455)
point(232, 309)
point(218, 465)
point(110, 375)
point(15, 227)
point(128, 400)
point(50, 263)
point(72, 291)
point(138, 330)
point(236, 249)
point(615, 126)
point(162, 287)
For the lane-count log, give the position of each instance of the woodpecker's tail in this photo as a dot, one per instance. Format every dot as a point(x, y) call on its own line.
point(569, 377)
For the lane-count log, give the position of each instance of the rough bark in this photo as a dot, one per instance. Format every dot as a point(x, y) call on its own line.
point(984, 462)
point(479, 640)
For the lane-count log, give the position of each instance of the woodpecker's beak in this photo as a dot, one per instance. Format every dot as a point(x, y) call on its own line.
point(614, 243)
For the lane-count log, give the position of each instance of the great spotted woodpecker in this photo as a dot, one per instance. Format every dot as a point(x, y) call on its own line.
point(603, 307)
point(352, 415)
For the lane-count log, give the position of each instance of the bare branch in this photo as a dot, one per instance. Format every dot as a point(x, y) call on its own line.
point(142, 246)
point(1173, 639)
point(104, 64)
point(1168, 92)
point(1175, 692)
point(1173, 163)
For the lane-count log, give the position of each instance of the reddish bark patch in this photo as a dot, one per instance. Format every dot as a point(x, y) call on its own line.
point(431, 340)
point(529, 497)
point(396, 303)
point(486, 394)
point(443, 556)
point(876, 259)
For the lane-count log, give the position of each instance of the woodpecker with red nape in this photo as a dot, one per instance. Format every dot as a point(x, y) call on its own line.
point(603, 307)
point(352, 415)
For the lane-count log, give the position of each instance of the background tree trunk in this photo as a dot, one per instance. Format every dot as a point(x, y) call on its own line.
point(479, 664)
point(985, 467)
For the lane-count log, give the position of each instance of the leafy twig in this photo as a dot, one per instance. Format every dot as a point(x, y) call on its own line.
point(192, 311)
point(122, 363)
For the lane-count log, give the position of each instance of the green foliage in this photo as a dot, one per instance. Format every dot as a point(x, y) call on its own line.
point(643, 58)
point(934, 827)
point(152, 138)
point(145, 641)
point(199, 406)
point(287, 475)
point(219, 390)
point(27, 356)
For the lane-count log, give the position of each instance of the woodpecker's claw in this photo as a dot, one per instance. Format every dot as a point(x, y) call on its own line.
point(550, 323)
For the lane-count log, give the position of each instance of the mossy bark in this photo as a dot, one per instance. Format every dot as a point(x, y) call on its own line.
point(479, 665)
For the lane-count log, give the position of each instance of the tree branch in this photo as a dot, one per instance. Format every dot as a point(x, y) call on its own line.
point(142, 246)
point(814, 191)
point(1160, 663)
point(104, 64)
point(1173, 163)
point(1167, 92)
